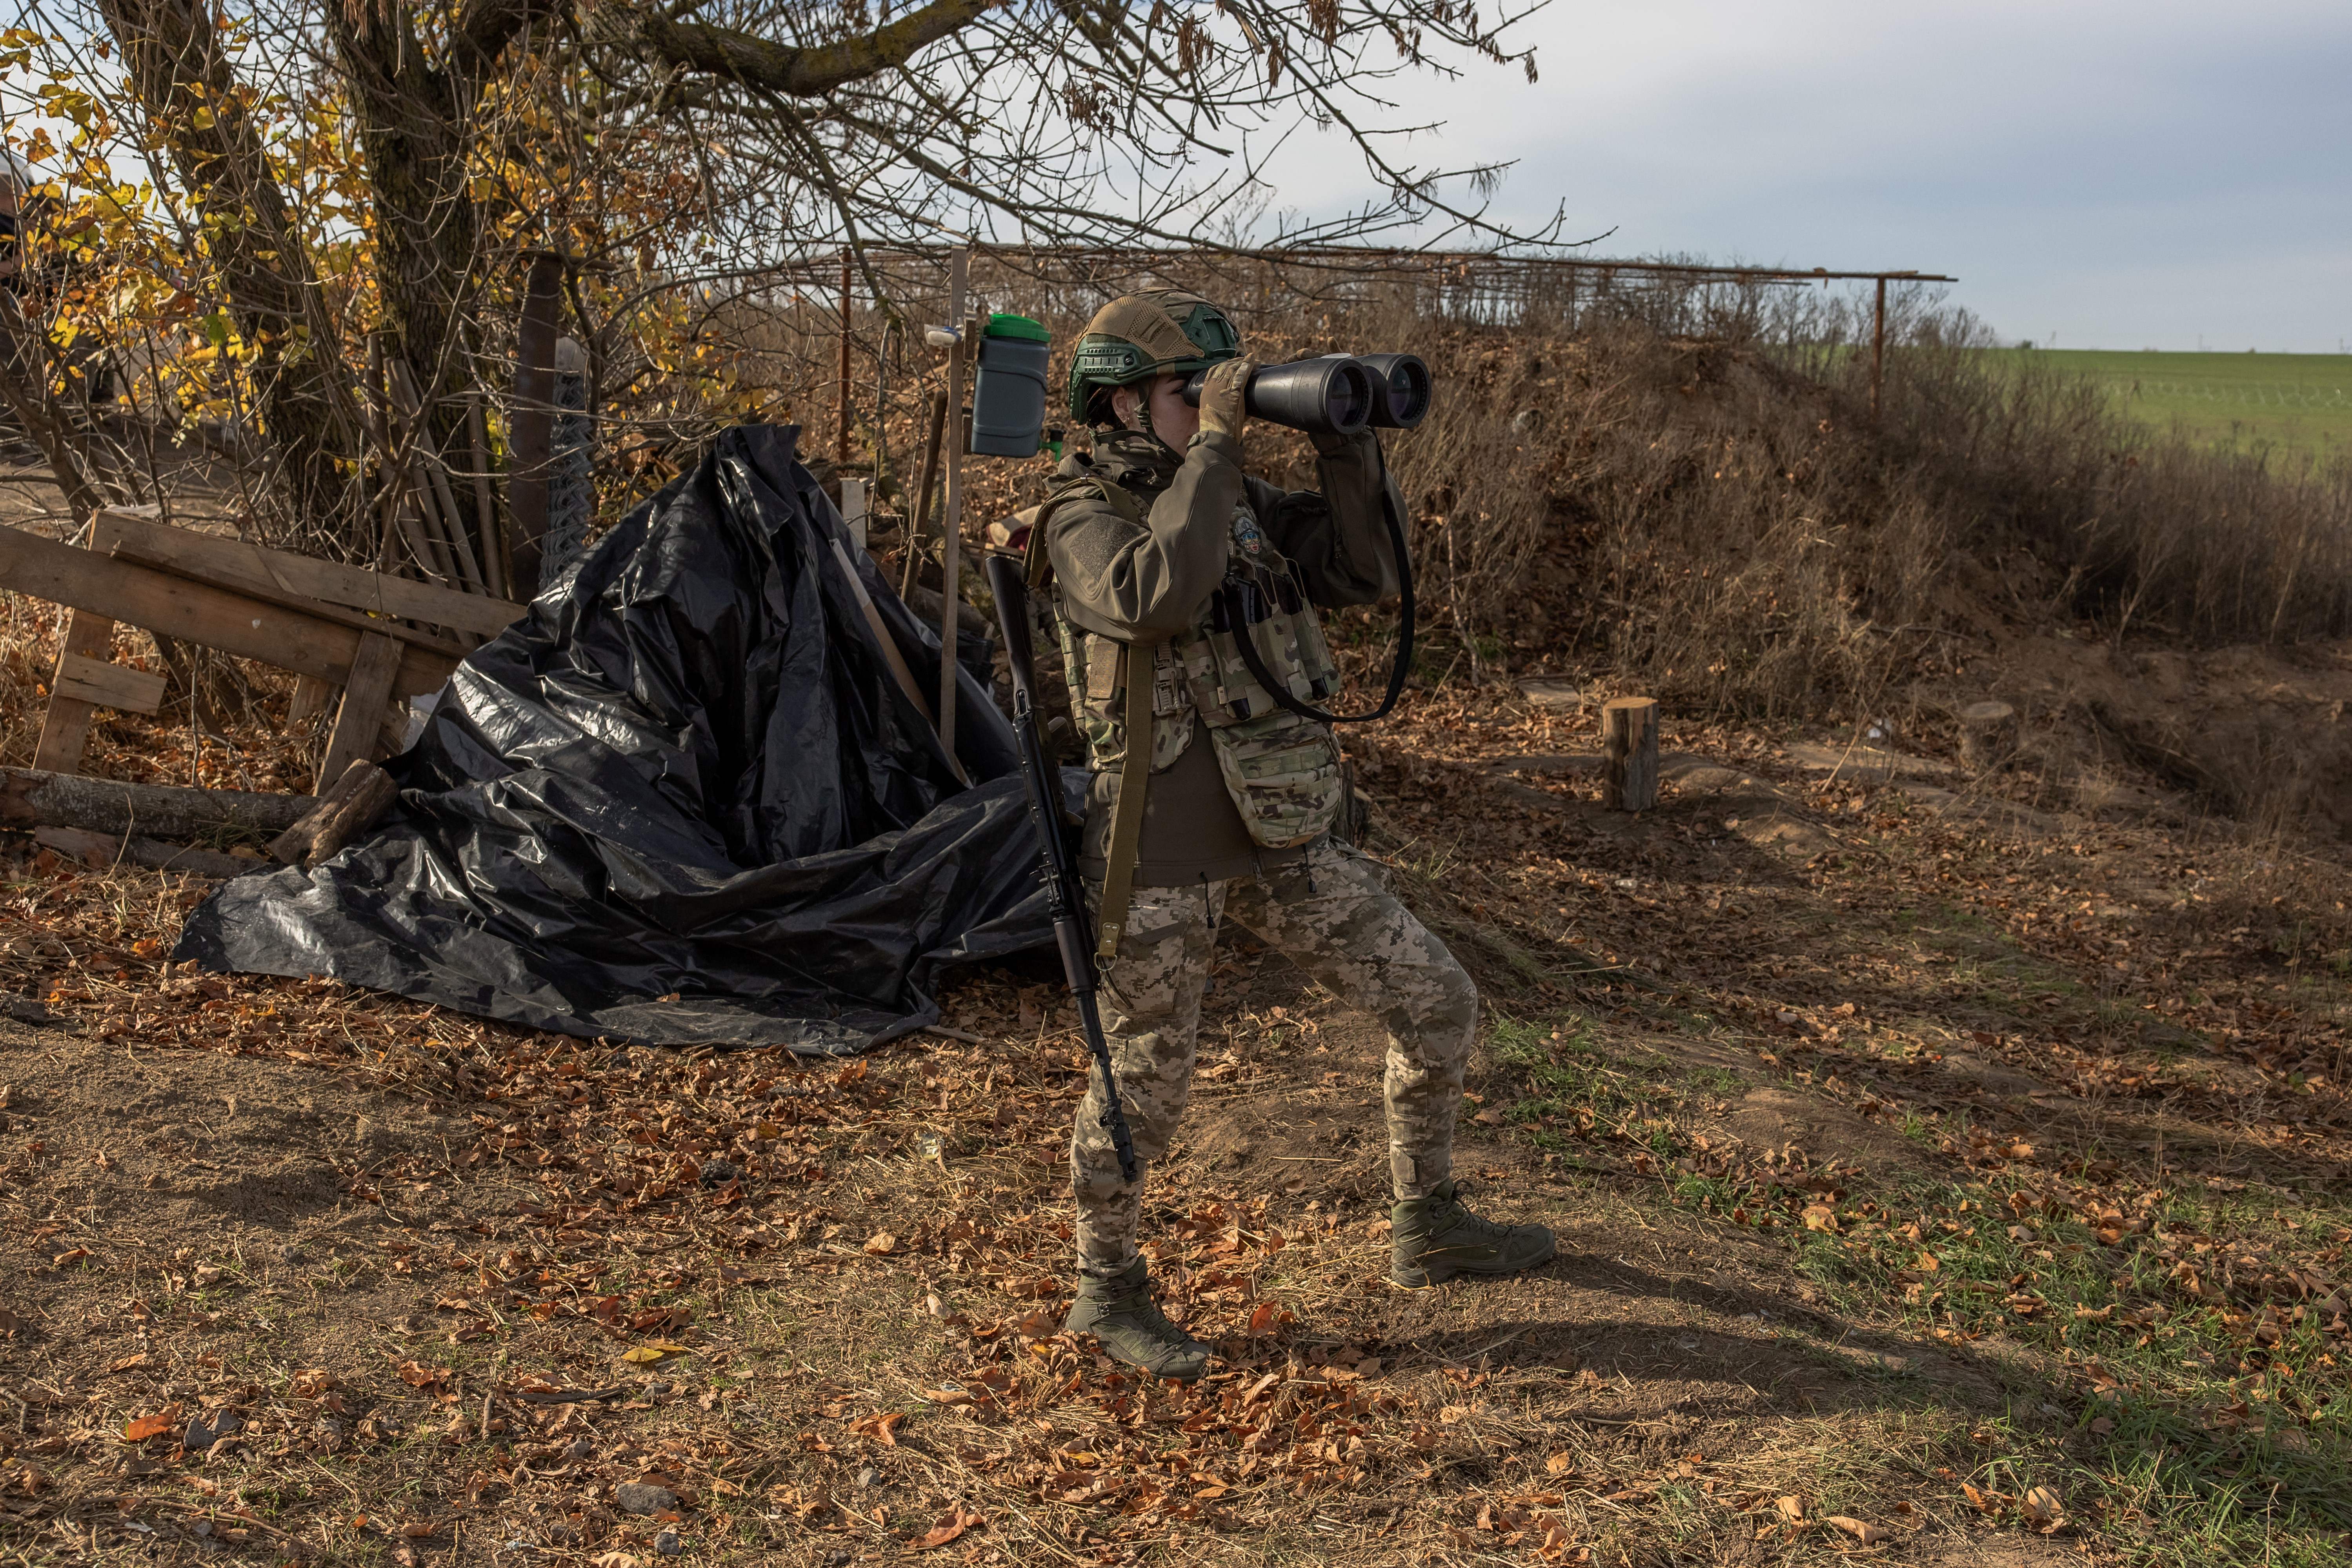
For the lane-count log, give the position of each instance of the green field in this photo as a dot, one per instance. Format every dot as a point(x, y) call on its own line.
point(2297, 402)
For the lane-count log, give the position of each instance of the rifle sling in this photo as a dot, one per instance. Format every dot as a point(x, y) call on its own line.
point(1136, 660)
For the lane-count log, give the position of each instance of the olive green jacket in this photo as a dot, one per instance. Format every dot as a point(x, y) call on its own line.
point(1143, 581)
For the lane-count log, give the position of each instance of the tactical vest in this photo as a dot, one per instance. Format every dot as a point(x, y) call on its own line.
point(1281, 769)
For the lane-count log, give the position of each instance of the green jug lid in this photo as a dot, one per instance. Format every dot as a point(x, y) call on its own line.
point(1001, 325)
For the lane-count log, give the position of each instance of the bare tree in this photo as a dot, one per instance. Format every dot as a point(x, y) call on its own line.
point(658, 145)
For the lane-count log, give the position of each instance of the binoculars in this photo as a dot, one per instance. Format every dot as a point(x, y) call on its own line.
point(1335, 394)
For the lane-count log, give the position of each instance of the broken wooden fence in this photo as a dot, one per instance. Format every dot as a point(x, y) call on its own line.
point(379, 638)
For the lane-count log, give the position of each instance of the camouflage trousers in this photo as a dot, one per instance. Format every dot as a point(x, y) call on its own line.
point(1329, 914)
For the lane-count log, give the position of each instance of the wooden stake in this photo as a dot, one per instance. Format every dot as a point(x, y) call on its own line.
point(841, 403)
point(923, 498)
point(1877, 349)
point(1629, 740)
point(477, 436)
point(951, 526)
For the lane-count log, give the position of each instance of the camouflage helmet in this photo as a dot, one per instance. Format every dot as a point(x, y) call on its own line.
point(1159, 331)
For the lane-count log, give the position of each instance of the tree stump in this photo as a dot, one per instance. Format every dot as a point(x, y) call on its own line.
point(1629, 741)
point(1989, 735)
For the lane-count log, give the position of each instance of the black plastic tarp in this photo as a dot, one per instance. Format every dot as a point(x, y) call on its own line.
point(683, 801)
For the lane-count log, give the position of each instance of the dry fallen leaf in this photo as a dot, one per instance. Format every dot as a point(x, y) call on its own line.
point(882, 1426)
point(1868, 1535)
point(948, 1528)
point(1559, 1464)
point(1261, 1320)
point(881, 1243)
point(1791, 1509)
point(139, 1428)
point(2043, 1505)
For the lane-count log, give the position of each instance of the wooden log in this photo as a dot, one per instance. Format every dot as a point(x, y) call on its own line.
point(105, 685)
point(193, 612)
point(1628, 737)
point(1990, 732)
point(366, 694)
point(32, 798)
point(101, 850)
point(356, 803)
point(234, 563)
point(64, 728)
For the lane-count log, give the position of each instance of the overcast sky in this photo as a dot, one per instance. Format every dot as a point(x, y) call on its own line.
point(2114, 175)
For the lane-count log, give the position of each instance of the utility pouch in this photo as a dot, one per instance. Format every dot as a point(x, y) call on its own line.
point(1283, 773)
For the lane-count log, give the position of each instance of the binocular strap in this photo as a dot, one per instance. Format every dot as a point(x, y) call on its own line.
point(1127, 816)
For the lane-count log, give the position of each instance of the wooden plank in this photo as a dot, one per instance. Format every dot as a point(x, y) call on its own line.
point(310, 697)
point(130, 551)
point(359, 726)
point(117, 686)
point(237, 564)
point(199, 613)
point(31, 798)
point(65, 729)
point(530, 421)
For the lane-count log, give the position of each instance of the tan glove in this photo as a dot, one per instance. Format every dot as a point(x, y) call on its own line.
point(1220, 395)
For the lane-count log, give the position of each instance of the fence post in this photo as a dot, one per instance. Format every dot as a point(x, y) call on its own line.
point(951, 525)
point(531, 427)
point(841, 410)
point(1877, 349)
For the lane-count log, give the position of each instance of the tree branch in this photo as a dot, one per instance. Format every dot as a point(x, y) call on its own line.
point(790, 71)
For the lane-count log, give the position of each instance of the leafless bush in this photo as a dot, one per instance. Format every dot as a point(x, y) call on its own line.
point(1677, 478)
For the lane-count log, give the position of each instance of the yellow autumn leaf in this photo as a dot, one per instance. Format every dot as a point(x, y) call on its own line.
point(641, 1356)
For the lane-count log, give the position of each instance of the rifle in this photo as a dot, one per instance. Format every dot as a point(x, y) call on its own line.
point(1065, 891)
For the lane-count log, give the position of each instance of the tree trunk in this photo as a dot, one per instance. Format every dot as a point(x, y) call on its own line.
point(177, 64)
point(416, 127)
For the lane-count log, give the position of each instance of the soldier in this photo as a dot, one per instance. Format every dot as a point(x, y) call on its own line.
point(1220, 805)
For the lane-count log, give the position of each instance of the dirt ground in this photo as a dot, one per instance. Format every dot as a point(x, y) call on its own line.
point(1947, 1171)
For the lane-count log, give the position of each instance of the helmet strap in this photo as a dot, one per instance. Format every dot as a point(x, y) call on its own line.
point(1142, 391)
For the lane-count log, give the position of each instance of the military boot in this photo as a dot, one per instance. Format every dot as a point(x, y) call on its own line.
point(1120, 1311)
point(1435, 1239)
